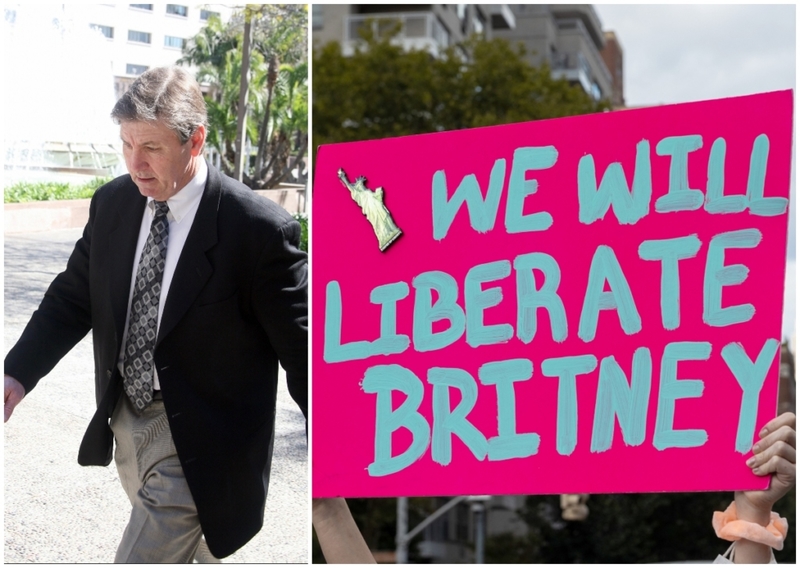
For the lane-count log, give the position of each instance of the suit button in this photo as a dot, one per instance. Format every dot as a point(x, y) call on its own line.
point(108, 373)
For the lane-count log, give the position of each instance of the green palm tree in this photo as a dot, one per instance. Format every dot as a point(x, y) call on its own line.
point(278, 36)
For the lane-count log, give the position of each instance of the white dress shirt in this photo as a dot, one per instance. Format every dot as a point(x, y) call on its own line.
point(182, 210)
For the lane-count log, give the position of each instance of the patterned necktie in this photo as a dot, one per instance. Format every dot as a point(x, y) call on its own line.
point(143, 325)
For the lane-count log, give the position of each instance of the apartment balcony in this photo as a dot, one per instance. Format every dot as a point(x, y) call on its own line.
point(415, 30)
point(586, 14)
point(575, 68)
point(584, 65)
point(502, 17)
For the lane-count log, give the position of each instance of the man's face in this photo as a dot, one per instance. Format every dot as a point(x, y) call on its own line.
point(159, 164)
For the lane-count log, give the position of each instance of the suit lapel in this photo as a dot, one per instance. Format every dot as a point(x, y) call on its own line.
point(193, 269)
point(122, 247)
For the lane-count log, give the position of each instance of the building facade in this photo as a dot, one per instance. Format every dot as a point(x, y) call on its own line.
point(612, 57)
point(96, 50)
point(141, 36)
point(432, 27)
point(568, 38)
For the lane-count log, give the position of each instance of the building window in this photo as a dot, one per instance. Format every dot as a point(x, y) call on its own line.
point(317, 17)
point(138, 37)
point(172, 41)
point(148, 7)
point(207, 14)
point(178, 10)
point(107, 31)
point(132, 69)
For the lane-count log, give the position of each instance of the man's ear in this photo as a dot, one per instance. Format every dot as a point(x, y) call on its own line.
point(198, 140)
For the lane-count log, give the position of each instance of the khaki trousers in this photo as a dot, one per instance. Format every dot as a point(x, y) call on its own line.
point(164, 526)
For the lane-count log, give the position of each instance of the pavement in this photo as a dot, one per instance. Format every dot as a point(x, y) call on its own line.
point(58, 511)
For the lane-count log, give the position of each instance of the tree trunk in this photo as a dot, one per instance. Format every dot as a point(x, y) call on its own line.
point(278, 178)
point(272, 75)
point(244, 84)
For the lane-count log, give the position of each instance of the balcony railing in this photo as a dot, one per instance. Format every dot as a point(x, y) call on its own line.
point(419, 30)
point(574, 68)
point(578, 25)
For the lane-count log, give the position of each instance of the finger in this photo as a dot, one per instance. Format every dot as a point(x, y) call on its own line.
point(785, 419)
point(12, 399)
point(778, 465)
point(760, 463)
point(784, 434)
point(8, 408)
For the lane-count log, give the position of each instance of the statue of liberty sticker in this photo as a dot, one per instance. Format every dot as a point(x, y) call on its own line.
point(371, 203)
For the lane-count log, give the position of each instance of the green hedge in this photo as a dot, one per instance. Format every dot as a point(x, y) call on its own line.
point(302, 218)
point(23, 192)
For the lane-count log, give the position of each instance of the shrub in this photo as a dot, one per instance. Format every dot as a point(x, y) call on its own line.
point(302, 218)
point(22, 192)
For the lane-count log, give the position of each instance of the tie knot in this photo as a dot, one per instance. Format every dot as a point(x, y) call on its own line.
point(161, 208)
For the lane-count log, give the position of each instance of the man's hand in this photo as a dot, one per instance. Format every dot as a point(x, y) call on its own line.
point(14, 394)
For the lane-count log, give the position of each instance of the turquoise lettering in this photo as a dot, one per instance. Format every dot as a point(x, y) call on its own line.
point(750, 377)
point(529, 299)
point(382, 380)
point(716, 202)
point(447, 423)
point(482, 213)
point(567, 369)
point(718, 275)
point(426, 312)
point(669, 252)
point(333, 350)
point(627, 402)
point(679, 197)
point(508, 444)
point(477, 300)
point(671, 390)
point(527, 159)
point(629, 205)
point(760, 205)
point(606, 268)
point(390, 342)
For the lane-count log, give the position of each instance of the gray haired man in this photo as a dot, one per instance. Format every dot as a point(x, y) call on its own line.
point(195, 289)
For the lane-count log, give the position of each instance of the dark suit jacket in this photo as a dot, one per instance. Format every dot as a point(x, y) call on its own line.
point(237, 305)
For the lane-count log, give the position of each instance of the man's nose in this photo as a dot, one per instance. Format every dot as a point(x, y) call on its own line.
point(136, 159)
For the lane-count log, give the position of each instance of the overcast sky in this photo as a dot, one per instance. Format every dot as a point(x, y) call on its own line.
point(682, 53)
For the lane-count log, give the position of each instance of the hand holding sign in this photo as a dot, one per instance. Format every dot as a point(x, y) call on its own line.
point(774, 454)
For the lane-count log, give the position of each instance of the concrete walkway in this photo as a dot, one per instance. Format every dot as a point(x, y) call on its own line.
point(58, 511)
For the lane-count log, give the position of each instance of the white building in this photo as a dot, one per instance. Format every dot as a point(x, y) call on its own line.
point(66, 65)
point(141, 36)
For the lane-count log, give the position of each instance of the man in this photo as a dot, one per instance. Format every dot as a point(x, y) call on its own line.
point(194, 288)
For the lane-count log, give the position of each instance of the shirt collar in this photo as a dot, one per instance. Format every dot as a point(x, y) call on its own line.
point(183, 201)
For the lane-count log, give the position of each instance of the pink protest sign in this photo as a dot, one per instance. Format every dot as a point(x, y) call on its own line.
point(582, 305)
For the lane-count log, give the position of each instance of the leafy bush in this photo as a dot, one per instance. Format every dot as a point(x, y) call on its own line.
point(23, 192)
point(302, 218)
